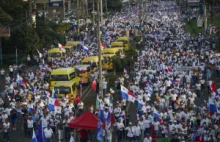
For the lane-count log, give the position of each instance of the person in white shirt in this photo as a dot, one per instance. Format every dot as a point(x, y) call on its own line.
point(198, 89)
point(147, 138)
point(6, 129)
point(120, 126)
point(4, 116)
point(137, 132)
point(30, 125)
point(130, 132)
point(48, 132)
point(156, 125)
point(80, 108)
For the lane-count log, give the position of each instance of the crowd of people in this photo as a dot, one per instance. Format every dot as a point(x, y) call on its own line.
point(173, 73)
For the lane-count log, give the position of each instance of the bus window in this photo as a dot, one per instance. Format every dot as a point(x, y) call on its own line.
point(62, 90)
point(72, 75)
point(59, 78)
point(55, 55)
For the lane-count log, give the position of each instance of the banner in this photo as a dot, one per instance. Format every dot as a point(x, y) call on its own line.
point(55, 3)
point(199, 22)
point(4, 31)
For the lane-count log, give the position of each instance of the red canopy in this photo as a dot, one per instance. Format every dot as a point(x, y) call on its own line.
point(86, 121)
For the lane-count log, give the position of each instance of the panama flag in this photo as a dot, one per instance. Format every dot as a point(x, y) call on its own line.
point(127, 95)
point(213, 88)
point(61, 47)
point(21, 81)
point(212, 107)
point(54, 105)
point(126, 74)
point(34, 139)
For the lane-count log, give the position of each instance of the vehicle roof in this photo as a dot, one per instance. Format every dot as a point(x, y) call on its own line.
point(117, 42)
point(114, 48)
point(77, 66)
point(123, 38)
point(108, 55)
point(91, 58)
point(63, 71)
point(55, 50)
point(68, 46)
point(72, 43)
point(64, 83)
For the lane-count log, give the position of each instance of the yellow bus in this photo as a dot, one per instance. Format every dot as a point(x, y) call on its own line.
point(93, 61)
point(56, 52)
point(125, 40)
point(107, 61)
point(63, 74)
point(68, 49)
point(84, 72)
point(115, 51)
point(117, 44)
point(66, 88)
point(73, 43)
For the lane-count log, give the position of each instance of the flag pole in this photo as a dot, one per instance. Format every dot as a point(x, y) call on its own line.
point(100, 50)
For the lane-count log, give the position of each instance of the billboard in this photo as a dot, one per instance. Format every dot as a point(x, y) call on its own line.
point(55, 3)
point(4, 31)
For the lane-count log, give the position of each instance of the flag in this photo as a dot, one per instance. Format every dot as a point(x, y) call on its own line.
point(39, 53)
point(102, 116)
point(31, 110)
point(61, 47)
point(34, 139)
point(108, 121)
point(127, 95)
point(154, 137)
point(53, 94)
point(112, 91)
point(156, 115)
point(21, 81)
point(47, 93)
point(126, 74)
point(100, 132)
point(213, 88)
point(85, 49)
point(113, 121)
point(72, 139)
point(54, 105)
point(212, 107)
point(40, 133)
point(94, 85)
point(150, 90)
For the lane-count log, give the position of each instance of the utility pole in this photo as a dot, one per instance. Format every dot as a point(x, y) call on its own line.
point(101, 10)
point(87, 11)
point(30, 11)
point(93, 12)
point(205, 16)
point(77, 16)
point(106, 7)
point(100, 50)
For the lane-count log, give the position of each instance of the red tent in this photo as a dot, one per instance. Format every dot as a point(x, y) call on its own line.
point(86, 121)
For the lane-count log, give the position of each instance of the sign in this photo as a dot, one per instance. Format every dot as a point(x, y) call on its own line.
point(199, 22)
point(4, 31)
point(55, 3)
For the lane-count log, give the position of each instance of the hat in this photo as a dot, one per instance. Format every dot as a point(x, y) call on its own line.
point(130, 123)
point(4, 111)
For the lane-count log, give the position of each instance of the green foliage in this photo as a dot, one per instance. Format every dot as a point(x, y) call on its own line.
point(126, 62)
point(4, 17)
point(114, 4)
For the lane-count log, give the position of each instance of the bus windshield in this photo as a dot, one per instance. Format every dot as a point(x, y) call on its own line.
point(59, 78)
point(62, 90)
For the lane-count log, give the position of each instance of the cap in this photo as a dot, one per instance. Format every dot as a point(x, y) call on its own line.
point(130, 123)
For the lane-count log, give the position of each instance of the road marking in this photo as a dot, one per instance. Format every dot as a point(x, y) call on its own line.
point(86, 89)
point(87, 93)
point(128, 106)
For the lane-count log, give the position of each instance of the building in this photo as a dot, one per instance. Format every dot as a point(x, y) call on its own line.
point(57, 8)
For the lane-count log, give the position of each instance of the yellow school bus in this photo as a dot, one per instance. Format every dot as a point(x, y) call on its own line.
point(56, 52)
point(107, 61)
point(68, 49)
point(117, 44)
point(66, 88)
point(125, 40)
point(84, 72)
point(72, 43)
point(93, 61)
point(115, 51)
point(63, 74)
